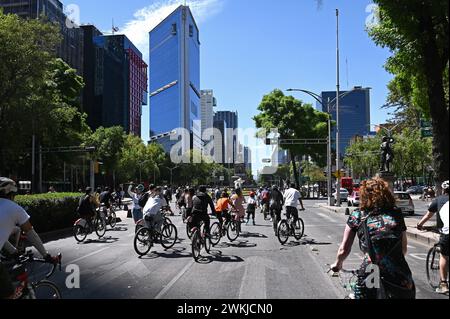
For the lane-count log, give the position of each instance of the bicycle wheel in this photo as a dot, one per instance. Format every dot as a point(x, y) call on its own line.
point(283, 232)
point(189, 231)
point(46, 290)
point(167, 221)
point(299, 229)
point(433, 259)
point(233, 231)
point(215, 233)
point(112, 220)
point(169, 236)
point(196, 245)
point(143, 242)
point(79, 233)
point(100, 227)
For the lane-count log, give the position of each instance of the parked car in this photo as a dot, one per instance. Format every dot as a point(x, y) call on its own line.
point(344, 195)
point(353, 199)
point(415, 190)
point(405, 203)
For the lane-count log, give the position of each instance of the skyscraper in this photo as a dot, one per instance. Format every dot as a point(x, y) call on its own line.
point(116, 81)
point(232, 120)
point(208, 102)
point(175, 78)
point(354, 115)
point(71, 47)
point(220, 142)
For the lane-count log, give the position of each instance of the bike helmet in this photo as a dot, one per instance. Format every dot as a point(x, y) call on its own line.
point(141, 188)
point(7, 186)
point(275, 187)
point(445, 185)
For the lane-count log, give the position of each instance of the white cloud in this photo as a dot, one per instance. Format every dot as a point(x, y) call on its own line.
point(145, 19)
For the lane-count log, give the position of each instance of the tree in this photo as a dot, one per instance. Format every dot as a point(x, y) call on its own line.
point(294, 120)
point(416, 32)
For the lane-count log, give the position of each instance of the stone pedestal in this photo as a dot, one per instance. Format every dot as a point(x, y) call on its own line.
point(388, 177)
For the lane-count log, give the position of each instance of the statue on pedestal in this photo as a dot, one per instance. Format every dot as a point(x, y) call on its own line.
point(387, 154)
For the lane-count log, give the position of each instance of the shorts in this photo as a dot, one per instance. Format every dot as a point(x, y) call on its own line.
point(443, 243)
point(6, 287)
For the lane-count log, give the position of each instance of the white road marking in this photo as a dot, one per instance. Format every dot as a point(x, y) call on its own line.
point(174, 280)
point(88, 255)
point(419, 256)
point(411, 247)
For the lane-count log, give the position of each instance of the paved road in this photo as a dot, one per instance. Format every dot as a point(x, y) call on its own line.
point(255, 266)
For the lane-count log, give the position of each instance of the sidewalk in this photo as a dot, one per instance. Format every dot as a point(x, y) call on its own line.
point(427, 237)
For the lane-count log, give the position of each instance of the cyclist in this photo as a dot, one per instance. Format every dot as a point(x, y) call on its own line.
point(441, 206)
point(217, 194)
point(222, 209)
point(292, 198)
point(106, 198)
point(200, 202)
point(87, 205)
point(238, 200)
point(381, 230)
point(276, 206)
point(265, 201)
point(152, 210)
point(12, 215)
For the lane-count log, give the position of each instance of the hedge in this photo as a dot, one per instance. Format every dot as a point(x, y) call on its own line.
point(50, 212)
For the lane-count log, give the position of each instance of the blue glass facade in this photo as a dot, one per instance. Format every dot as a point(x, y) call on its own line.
point(175, 76)
point(354, 115)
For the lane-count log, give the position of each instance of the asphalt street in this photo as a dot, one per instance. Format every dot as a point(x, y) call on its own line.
point(256, 266)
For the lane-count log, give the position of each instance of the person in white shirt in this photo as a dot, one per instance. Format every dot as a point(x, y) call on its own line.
point(152, 210)
point(136, 196)
point(11, 216)
point(292, 198)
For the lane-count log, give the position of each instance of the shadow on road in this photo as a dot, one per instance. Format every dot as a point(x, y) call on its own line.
point(216, 256)
point(254, 235)
point(118, 228)
point(237, 244)
point(312, 242)
point(169, 254)
point(104, 240)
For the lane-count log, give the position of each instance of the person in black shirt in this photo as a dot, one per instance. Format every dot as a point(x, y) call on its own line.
point(106, 198)
point(201, 201)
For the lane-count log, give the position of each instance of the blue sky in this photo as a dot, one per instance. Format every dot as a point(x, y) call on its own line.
point(250, 47)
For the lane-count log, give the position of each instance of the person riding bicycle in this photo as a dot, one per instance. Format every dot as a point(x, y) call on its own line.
point(381, 230)
point(135, 196)
point(222, 209)
point(276, 206)
point(251, 208)
point(238, 200)
point(217, 194)
point(200, 202)
point(11, 216)
point(87, 206)
point(292, 198)
point(153, 217)
point(106, 198)
point(441, 206)
point(265, 201)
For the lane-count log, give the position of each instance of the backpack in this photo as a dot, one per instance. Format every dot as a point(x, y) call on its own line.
point(265, 196)
point(143, 200)
point(84, 206)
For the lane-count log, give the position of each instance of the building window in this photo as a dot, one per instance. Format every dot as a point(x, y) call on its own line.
point(174, 29)
point(191, 30)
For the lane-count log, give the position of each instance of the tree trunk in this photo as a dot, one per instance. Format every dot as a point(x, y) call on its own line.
point(434, 69)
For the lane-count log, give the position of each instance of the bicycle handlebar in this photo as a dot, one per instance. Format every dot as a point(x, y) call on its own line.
point(29, 257)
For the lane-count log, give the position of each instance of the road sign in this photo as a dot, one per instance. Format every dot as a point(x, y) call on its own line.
point(427, 133)
point(222, 178)
point(425, 124)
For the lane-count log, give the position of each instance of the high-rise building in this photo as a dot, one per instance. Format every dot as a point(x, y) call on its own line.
point(71, 47)
point(232, 120)
point(116, 81)
point(220, 142)
point(248, 158)
point(175, 78)
point(208, 102)
point(354, 115)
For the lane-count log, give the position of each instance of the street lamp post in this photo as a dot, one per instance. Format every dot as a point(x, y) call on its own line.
point(171, 173)
point(338, 157)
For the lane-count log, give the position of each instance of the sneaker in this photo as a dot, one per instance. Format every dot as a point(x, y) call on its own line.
point(443, 288)
point(254, 224)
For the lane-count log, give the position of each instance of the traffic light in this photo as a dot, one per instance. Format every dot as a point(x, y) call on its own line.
point(268, 141)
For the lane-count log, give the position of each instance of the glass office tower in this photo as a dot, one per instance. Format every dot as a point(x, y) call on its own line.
point(175, 79)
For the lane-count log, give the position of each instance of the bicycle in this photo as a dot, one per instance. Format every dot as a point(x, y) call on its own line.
point(82, 228)
point(433, 266)
point(231, 228)
point(349, 284)
point(288, 228)
point(141, 223)
point(144, 238)
point(200, 239)
point(42, 289)
point(110, 216)
point(265, 211)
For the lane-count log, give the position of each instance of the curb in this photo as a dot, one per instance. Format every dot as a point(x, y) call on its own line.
point(422, 237)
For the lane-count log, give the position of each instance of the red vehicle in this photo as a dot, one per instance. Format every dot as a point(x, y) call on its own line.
point(347, 183)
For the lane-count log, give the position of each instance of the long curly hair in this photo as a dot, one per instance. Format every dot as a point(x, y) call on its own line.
point(375, 195)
